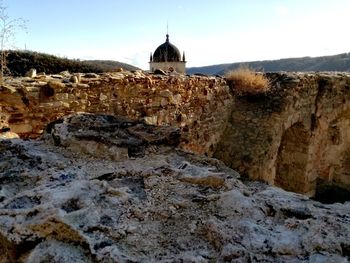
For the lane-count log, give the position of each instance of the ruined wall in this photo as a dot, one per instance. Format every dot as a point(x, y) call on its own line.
point(293, 135)
point(199, 105)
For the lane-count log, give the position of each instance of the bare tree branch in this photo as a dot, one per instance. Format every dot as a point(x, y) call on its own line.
point(8, 29)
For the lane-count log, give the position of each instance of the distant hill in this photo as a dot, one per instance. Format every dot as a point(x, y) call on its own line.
point(110, 65)
point(339, 62)
point(19, 62)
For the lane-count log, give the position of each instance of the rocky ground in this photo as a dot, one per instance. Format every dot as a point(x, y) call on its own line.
point(98, 188)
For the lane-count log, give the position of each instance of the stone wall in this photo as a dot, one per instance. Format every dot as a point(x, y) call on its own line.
point(199, 105)
point(291, 136)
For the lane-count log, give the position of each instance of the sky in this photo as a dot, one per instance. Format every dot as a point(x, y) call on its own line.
point(209, 31)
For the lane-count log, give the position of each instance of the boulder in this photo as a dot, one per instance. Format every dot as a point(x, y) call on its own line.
point(159, 72)
point(90, 75)
point(61, 204)
point(74, 79)
point(106, 135)
point(118, 70)
point(31, 73)
point(65, 74)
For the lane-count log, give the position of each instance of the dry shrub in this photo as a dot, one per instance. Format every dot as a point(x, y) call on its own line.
point(247, 82)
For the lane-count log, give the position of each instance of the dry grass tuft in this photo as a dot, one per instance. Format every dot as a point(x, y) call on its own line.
point(247, 82)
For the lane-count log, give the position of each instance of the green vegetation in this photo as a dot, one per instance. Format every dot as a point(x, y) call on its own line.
point(247, 82)
point(339, 62)
point(19, 62)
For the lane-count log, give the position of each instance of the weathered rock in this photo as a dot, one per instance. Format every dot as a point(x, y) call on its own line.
point(8, 135)
point(65, 74)
point(118, 70)
point(60, 204)
point(54, 84)
point(166, 93)
point(294, 136)
point(159, 72)
point(74, 79)
point(31, 73)
point(90, 75)
point(109, 136)
point(55, 251)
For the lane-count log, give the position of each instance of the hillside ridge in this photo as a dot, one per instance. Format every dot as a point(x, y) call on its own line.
point(19, 62)
point(339, 62)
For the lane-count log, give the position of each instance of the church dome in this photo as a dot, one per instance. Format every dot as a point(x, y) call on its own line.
point(166, 52)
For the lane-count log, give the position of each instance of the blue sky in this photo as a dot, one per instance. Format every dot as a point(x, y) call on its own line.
point(210, 32)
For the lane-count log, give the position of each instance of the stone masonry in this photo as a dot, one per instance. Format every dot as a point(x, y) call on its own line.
point(198, 104)
point(291, 136)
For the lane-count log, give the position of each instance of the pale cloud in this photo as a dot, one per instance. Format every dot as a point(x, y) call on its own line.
point(137, 59)
point(282, 10)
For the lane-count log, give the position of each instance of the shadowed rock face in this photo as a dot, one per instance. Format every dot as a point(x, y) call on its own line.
point(294, 135)
point(109, 136)
point(67, 198)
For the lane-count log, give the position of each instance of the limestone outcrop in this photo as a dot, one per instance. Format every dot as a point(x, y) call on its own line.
point(65, 198)
point(295, 136)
